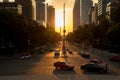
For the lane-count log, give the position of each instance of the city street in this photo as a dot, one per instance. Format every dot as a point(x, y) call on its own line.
point(42, 65)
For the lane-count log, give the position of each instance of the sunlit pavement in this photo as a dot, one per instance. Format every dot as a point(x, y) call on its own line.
point(41, 67)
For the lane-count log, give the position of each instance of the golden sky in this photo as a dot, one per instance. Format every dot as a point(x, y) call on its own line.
point(58, 4)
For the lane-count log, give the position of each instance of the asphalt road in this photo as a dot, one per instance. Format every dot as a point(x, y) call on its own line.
point(41, 67)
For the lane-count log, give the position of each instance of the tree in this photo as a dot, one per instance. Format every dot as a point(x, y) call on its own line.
point(114, 34)
point(13, 28)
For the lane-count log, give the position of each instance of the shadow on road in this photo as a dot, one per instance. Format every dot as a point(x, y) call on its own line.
point(17, 66)
point(95, 73)
point(64, 74)
point(62, 71)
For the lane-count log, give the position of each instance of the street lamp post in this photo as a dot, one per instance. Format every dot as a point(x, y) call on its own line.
point(64, 31)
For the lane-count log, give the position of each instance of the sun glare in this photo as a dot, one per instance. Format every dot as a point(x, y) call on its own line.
point(58, 19)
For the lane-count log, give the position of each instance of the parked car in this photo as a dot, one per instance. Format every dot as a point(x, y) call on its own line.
point(81, 52)
point(63, 65)
point(94, 67)
point(24, 56)
point(70, 50)
point(115, 58)
point(51, 49)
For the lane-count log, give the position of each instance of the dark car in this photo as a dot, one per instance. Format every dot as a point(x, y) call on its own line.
point(97, 61)
point(86, 55)
point(63, 65)
point(24, 56)
point(115, 58)
point(93, 67)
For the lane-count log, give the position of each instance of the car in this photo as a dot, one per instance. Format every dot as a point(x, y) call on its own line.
point(85, 55)
point(70, 50)
point(63, 65)
point(94, 67)
point(115, 58)
point(57, 52)
point(24, 56)
point(97, 61)
point(51, 49)
point(81, 52)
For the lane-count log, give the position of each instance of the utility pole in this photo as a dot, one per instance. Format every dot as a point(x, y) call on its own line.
point(64, 31)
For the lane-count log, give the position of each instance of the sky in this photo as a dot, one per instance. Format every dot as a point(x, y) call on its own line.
point(58, 4)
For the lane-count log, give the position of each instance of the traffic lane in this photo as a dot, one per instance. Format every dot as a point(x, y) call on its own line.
point(77, 60)
point(37, 64)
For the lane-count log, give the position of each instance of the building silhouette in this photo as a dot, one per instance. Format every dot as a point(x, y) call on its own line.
point(51, 17)
point(76, 15)
point(81, 13)
point(11, 6)
point(28, 8)
point(40, 11)
point(85, 6)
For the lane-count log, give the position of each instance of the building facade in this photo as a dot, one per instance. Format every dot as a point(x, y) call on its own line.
point(111, 6)
point(76, 15)
point(28, 8)
point(40, 11)
point(102, 6)
point(11, 6)
point(85, 6)
point(51, 17)
point(93, 15)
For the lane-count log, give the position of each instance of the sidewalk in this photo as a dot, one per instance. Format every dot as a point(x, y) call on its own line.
point(102, 53)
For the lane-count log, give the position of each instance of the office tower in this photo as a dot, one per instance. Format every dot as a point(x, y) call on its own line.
point(111, 6)
point(85, 6)
point(11, 6)
point(102, 6)
point(40, 11)
point(76, 15)
point(81, 13)
point(51, 17)
point(93, 15)
point(28, 8)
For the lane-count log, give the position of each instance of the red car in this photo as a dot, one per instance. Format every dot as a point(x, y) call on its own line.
point(63, 65)
point(115, 58)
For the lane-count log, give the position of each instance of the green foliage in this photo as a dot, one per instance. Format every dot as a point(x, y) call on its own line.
point(114, 34)
point(17, 30)
point(116, 15)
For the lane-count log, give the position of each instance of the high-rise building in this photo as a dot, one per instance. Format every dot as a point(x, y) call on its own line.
point(51, 17)
point(85, 6)
point(81, 13)
point(93, 15)
point(76, 15)
point(102, 6)
point(40, 11)
point(28, 8)
point(111, 6)
point(11, 6)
